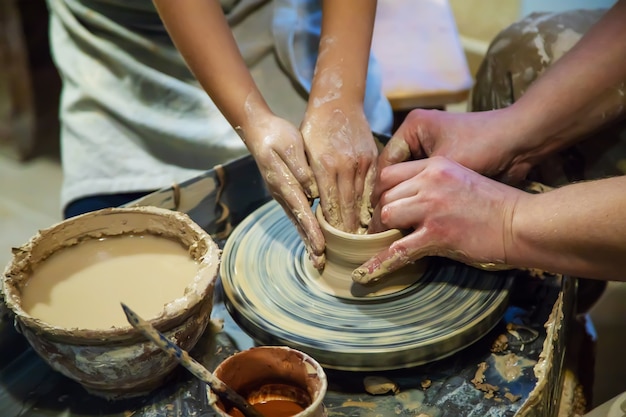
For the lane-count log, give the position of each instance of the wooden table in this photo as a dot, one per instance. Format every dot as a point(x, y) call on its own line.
point(418, 48)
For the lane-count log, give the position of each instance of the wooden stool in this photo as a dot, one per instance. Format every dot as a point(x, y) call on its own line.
point(422, 61)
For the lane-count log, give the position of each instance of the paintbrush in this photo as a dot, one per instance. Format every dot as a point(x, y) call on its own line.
point(219, 388)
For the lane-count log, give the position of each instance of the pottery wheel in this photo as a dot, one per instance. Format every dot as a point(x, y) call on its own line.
point(272, 293)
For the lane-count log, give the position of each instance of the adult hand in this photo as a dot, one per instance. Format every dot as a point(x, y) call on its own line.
point(342, 154)
point(278, 149)
point(491, 143)
point(453, 212)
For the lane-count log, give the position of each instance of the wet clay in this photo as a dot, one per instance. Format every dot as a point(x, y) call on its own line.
point(336, 280)
point(377, 385)
point(511, 366)
point(82, 286)
point(347, 251)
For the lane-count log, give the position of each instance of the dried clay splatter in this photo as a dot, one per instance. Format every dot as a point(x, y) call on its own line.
point(512, 397)
point(511, 366)
point(479, 381)
point(378, 385)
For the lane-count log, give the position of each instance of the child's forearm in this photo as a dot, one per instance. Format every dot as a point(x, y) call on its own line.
point(201, 33)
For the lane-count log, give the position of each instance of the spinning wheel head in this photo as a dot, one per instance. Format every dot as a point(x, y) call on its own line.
point(278, 297)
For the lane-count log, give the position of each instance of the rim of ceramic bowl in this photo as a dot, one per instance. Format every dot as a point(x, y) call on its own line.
point(193, 237)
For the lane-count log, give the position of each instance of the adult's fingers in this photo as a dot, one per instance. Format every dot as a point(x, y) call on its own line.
point(406, 142)
point(396, 151)
point(403, 213)
point(400, 253)
point(397, 204)
point(515, 173)
point(393, 175)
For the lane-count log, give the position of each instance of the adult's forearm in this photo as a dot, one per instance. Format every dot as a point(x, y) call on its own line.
point(201, 33)
point(579, 229)
point(341, 69)
point(573, 97)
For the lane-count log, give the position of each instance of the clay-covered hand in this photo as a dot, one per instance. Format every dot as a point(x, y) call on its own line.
point(342, 154)
point(485, 142)
point(452, 211)
point(278, 150)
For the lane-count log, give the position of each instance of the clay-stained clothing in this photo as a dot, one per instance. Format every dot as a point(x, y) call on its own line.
point(133, 118)
point(518, 56)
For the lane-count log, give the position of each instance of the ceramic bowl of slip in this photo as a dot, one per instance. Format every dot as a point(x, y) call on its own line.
point(64, 288)
point(276, 380)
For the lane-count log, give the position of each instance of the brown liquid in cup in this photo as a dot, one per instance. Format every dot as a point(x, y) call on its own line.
point(273, 408)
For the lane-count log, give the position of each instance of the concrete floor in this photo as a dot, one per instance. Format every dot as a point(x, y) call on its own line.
point(30, 199)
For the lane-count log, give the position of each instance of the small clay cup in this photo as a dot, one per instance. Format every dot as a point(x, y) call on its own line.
point(118, 362)
point(347, 251)
point(273, 373)
point(351, 249)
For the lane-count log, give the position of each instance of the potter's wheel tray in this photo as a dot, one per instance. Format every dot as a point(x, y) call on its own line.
point(270, 292)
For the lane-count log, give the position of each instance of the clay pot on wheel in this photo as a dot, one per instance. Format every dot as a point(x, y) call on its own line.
point(347, 251)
